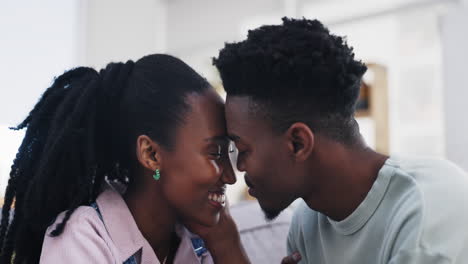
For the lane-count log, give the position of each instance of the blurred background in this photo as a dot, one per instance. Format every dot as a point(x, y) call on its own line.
point(412, 100)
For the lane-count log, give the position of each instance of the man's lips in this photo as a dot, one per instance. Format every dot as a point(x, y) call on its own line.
point(247, 181)
point(252, 191)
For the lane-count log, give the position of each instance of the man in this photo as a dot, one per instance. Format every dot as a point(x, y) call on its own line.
point(291, 95)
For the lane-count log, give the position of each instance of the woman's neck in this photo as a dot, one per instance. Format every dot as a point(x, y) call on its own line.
point(154, 218)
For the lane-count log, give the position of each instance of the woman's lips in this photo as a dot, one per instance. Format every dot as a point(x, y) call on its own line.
point(217, 199)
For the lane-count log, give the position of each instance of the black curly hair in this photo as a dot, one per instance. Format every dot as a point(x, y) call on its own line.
point(296, 72)
point(82, 131)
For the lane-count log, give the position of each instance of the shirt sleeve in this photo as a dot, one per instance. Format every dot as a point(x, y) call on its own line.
point(79, 243)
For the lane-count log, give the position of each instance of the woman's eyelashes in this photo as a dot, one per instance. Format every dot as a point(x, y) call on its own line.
point(218, 151)
point(214, 151)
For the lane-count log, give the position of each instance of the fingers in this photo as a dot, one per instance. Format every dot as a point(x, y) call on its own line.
point(226, 206)
point(292, 259)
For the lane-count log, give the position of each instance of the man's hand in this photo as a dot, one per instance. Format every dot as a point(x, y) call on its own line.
point(225, 229)
point(292, 259)
point(222, 240)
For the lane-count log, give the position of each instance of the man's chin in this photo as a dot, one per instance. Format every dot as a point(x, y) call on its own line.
point(270, 214)
point(271, 211)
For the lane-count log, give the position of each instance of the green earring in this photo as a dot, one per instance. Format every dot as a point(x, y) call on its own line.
point(157, 174)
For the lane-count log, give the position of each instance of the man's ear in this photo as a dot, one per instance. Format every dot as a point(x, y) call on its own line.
point(148, 153)
point(300, 141)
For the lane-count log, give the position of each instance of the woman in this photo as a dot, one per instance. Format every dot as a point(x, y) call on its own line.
point(156, 128)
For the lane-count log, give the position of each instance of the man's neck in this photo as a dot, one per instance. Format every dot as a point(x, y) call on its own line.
point(346, 176)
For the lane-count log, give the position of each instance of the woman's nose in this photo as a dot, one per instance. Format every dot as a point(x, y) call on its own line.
point(227, 175)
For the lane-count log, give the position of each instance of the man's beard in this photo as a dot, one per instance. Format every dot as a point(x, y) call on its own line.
point(271, 214)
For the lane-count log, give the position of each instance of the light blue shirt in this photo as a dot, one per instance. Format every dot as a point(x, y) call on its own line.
point(416, 212)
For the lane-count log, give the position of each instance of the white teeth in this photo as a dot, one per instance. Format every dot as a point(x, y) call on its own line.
point(219, 198)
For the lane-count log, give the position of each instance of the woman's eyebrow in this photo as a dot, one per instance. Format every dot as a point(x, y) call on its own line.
point(218, 139)
point(233, 137)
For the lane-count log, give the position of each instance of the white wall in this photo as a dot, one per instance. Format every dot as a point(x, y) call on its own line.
point(194, 25)
point(455, 43)
point(197, 30)
point(403, 36)
point(118, 30)
point(37, 42)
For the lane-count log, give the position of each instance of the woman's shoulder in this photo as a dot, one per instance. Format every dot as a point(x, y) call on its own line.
point(82, 218)
point(83, 240)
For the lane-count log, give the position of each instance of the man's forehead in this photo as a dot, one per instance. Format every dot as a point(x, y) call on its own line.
point(242, 122)
point(238, 111)
point(239, 103)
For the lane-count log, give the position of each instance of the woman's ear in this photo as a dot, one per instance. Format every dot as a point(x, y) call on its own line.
point(148, 153)
point(300, 141)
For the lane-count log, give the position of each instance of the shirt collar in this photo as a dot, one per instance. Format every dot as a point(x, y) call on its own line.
point(366, 209)
point(128, 239)
point(120, 224)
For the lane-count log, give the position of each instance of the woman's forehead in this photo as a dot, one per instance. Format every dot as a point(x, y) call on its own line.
point(205, 119)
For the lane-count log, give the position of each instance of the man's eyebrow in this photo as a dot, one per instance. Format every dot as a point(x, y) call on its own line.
point(233, 137)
